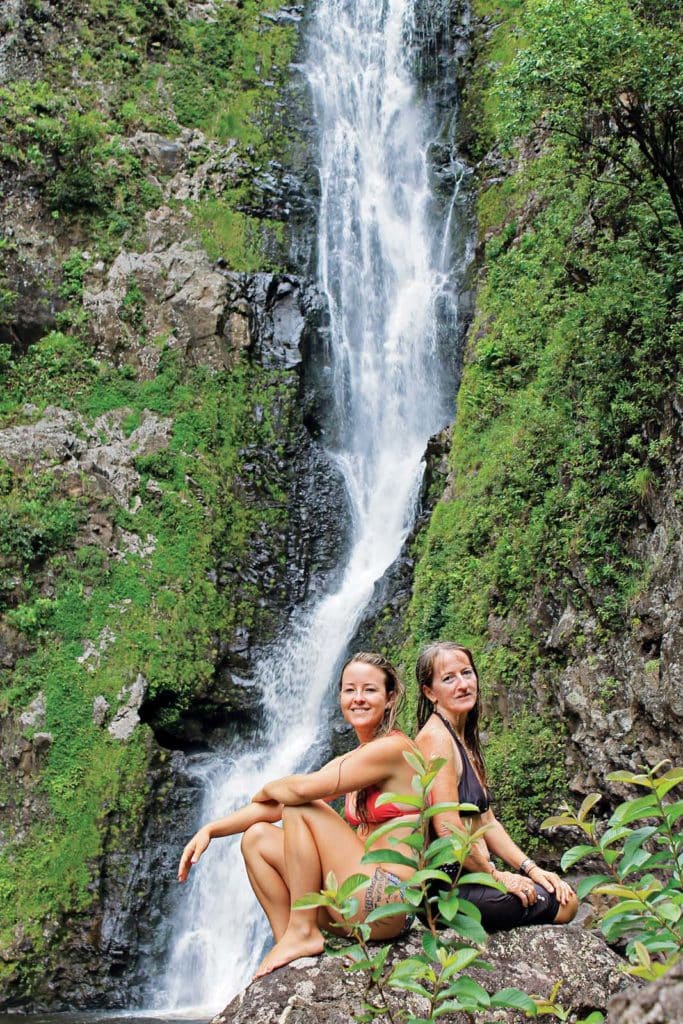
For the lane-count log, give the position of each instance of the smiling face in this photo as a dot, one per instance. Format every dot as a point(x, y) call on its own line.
point(453, 686)
point(364, 698)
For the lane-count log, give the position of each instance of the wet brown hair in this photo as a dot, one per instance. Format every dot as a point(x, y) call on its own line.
point(394, 685)
point(424, 673)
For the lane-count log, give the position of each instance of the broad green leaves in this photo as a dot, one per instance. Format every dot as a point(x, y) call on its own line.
point(644, 882)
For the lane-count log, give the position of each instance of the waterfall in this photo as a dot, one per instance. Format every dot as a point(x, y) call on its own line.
point(382, 267)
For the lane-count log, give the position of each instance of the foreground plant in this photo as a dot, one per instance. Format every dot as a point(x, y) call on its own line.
point(644, 868)
point(436, 973)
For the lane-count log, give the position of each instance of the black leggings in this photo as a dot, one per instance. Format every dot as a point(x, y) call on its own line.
point(502, 910)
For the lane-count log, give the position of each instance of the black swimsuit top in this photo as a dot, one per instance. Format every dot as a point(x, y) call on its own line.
point(470, 789)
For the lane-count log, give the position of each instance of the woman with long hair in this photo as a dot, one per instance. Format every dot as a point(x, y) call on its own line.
point(448, 719)
point(286, 863)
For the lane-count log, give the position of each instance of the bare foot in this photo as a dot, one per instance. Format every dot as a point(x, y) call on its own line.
point(291, 946)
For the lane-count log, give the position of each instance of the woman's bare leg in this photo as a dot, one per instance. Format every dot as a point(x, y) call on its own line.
point(317, 841)
point(263, 851)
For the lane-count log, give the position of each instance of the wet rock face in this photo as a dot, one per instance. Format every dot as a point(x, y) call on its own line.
point(533, 959)
point(623, 697)
point(106, 948)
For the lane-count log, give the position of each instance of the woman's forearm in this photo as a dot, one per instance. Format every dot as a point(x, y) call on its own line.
point(241, 820)
point(502, 845)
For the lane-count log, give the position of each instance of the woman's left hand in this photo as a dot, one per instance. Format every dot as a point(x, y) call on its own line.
point(552, 883)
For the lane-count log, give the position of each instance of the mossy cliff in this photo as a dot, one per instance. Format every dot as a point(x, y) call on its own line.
point(156, 474)
point(555, 549)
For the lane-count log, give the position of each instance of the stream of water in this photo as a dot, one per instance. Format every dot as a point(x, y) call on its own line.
point(383, 267)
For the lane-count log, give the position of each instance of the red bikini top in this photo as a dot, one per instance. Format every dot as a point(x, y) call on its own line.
point(375, 815)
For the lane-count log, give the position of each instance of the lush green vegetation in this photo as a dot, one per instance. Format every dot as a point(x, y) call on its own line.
point(143, 66)
point(143, 613)
point(563, 430)
point(156, 610)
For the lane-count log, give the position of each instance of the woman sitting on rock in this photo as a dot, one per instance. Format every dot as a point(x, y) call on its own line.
point(448, 715)
point(285, 863)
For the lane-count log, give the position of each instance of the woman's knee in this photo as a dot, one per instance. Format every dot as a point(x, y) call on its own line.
point(568, 911)
point(255, 838)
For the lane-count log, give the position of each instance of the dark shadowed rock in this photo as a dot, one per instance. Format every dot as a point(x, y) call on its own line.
point(319, 991)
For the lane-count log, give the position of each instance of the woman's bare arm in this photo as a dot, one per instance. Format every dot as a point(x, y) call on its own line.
point(379, 762)
point(233, 824)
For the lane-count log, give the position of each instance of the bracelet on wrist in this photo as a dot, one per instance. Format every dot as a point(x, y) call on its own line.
point(527, 865)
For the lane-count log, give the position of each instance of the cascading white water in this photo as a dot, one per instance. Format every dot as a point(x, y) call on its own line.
point(381, 266)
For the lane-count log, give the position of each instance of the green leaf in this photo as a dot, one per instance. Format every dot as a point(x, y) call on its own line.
point(313, 899)
point(450, 807)
point(468, 928)
point(634, 810)
point(417, 762)
point(378, 961)
point(448, 906)
point(469, 989)
point(390, 826)
point(588, 804)
point(623, 907)
point(400, 798)
point(674, 811)
point(574, 854)
point(630, 778)
point(388, 857)
point(414, 966)
point(613, 835)
point(351, 885)
point(586, 885)
point(429, 873)
point(460, 960)
point(515, 999)
point(389, 910)
point(669, 911)
point(557, 820)
point(469, 908)
point(481, 878)
point(405, 985)
point(431, 945)
point(668, 782)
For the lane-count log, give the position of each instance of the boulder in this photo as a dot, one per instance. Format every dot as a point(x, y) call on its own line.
point(532, 959)
point(658, 1003)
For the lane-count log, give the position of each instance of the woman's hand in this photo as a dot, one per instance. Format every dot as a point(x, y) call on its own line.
point(192, 852)
point(518, 885)
point(552, 883)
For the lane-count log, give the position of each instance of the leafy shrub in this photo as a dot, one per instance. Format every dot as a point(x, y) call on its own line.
point(644, 868)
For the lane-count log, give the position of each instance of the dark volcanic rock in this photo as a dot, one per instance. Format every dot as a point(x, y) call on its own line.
point(532, 959)
point(660, 1002)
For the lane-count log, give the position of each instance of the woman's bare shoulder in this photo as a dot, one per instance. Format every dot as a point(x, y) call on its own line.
point(433, 739)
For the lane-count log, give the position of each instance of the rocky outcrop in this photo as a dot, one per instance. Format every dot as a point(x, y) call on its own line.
point(623, 697)
point(532, 959)
point(660, 1002)
point(97, 458)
